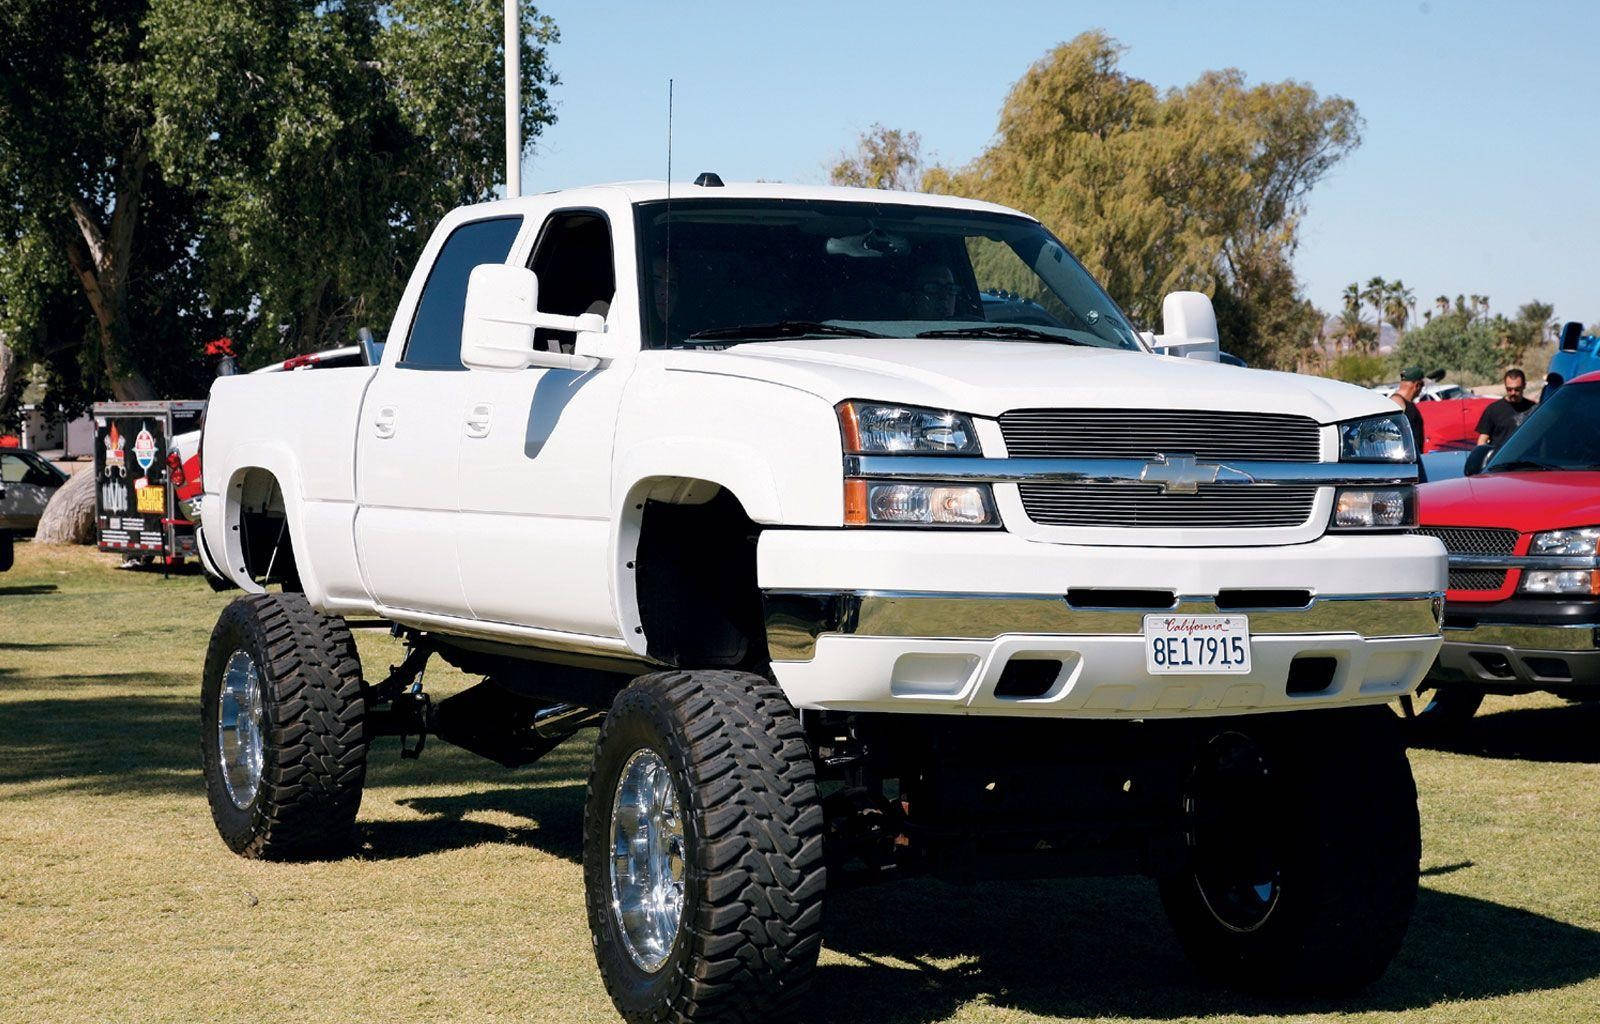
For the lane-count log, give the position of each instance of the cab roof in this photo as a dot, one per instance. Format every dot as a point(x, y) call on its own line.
point(656, 191)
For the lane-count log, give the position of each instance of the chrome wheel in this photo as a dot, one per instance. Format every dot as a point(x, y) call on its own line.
point(240, 734)
point(647, 859)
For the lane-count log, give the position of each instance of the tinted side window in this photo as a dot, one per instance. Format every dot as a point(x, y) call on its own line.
point(576, 274)
point(435, 339)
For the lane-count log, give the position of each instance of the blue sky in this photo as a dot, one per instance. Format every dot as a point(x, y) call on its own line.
point(1477, 174)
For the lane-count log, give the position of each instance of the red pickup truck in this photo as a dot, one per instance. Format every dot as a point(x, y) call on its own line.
point(1523, 532)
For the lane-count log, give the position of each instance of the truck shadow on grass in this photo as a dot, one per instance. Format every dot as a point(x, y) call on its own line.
point(102, 743)
point(1569, 735)
point(1101, 947)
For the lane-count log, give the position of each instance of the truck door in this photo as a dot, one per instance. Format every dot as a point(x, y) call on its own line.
point(409, 432)
point(534, 475)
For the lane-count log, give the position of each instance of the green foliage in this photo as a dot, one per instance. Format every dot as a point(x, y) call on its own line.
point(1456, 341)
point(884, 158)
point(1202, 187)
point(1361, 368)
point(269, 170)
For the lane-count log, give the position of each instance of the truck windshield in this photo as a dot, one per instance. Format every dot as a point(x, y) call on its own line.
point(758, 270)
point(1563, 433)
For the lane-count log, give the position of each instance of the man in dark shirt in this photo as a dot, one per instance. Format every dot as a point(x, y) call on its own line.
point(1500, 420)
point(1405, 396)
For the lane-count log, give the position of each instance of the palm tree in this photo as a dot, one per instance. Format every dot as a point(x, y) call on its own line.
point(1354, 327)
point(1352, 296)
point(1442, 304)
point(1398, 304)
point(1374, 294)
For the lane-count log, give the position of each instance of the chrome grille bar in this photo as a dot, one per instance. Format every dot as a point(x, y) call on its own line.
point(1142, 434)
point(1233, 473)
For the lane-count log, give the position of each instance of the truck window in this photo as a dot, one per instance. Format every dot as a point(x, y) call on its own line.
point(435, 339)
point(575, 269)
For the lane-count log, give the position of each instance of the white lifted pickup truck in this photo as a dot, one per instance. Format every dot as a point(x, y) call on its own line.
point(880, 543)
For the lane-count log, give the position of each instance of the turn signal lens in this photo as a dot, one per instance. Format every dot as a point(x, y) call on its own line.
point(870, 502)
point(1560, 581)
point(1386, 508)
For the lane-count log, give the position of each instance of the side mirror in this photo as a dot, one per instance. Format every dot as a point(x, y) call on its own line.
point(1188, 327)
point(501, 315)
point(1571, 331)
point(1476, 460)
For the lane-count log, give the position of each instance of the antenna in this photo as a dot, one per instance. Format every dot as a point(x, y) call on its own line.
point(513, 47)
point(667, 263)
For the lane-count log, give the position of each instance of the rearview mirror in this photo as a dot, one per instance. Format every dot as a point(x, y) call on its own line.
point(1188, 327)
point(502, 312)
point(1476, 460)
point(1571, 331)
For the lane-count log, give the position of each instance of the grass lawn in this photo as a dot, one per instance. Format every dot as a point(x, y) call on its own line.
point(119, 903)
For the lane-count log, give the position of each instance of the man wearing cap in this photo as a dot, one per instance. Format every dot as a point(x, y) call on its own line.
point(1405, 396)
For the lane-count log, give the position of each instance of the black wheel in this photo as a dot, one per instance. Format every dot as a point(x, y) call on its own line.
point(1303, 845)
point(702, 850)
point(282, 728)
point(7, 550)
point(1447, 708)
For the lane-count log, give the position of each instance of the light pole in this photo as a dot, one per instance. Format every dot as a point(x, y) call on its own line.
point(513, 99)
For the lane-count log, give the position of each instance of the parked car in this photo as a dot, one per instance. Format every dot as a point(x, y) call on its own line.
point(1450, 415)
point(1523, 532)
point(29, 481)
point(869, 571)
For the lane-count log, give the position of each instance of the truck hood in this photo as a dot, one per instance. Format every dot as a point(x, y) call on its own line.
point(987, 377)
point(1524, 501)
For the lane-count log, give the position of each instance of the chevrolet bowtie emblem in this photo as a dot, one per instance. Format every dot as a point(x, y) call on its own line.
point(1178, 474)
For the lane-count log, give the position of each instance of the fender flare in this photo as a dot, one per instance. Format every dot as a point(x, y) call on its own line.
point(279, 461)
point(667, 464)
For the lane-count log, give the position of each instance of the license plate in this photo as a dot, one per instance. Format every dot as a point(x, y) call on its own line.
point(1196, 644)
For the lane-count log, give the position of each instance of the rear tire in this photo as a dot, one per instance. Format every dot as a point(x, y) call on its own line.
point(702, 851)
point(283, 739)
point(1304, 846)
point(7, 550)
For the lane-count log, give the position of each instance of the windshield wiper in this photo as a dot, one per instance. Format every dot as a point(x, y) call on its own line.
point(780, 329)
point(1009, 331)
point(1503, 467)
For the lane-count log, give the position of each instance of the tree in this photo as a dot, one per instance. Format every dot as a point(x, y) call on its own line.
point(1375, 294)
point(1399, 302)
point(1456, 341)
point(1533, 327)
point(184, 169)
point(884, 158)
point(1201, 187)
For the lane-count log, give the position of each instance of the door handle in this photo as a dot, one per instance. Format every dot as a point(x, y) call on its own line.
point(383, 422)
point(478, 420)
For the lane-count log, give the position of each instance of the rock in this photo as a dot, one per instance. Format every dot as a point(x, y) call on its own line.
point(69, 517)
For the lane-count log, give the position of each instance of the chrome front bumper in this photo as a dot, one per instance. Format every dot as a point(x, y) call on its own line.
point(947, 653)
point(797, 618)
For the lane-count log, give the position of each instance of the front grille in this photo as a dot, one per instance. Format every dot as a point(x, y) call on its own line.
point(1477, 579)
point(1209, 436)
point(1143, 506)
point(1474, 540)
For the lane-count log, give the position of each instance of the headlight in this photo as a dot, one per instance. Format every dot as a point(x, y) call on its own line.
point(1579, 542)
point(871, 428)
point(1374, 508)
point(869, 502)
point(1377, 439)
point(1566, 542)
